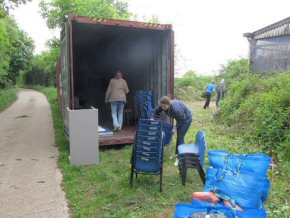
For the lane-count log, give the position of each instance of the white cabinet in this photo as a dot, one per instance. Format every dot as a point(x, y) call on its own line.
point(83, 136)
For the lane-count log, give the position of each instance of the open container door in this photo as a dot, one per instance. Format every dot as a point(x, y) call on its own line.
point(64, 76)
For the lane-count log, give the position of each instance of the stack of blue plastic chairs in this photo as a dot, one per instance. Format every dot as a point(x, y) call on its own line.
point(238, 179)
point(144, 104)
point(147, 155)
point(144, 109)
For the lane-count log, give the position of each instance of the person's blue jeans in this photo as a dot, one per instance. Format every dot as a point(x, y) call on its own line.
point(181, 131)
point(117, 108)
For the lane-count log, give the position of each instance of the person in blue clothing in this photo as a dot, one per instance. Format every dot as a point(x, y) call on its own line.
point(178, 111)
point(210, 88)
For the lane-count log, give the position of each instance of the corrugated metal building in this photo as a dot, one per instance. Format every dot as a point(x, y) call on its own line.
point(270, 47)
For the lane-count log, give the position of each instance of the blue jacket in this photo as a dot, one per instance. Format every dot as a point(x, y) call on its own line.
point(210, 88)
point(177, 110)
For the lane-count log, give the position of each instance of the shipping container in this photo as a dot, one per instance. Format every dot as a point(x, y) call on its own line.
point(93, 50)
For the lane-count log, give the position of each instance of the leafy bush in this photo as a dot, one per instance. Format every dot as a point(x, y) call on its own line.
point(16, 50)
point(43, 69)
point(234, 70)
point(7, 97)
point(259, 107)
point(191, 86)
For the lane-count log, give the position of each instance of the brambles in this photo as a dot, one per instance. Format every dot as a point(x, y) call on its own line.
point(259, 107)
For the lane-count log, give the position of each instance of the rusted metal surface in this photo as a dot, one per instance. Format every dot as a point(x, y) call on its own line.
point(172, 64)
point(125, 136)
point(112, 22)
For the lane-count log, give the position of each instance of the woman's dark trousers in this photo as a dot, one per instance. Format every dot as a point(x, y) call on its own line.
point(181, 131)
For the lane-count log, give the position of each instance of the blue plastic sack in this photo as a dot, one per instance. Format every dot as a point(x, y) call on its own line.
point(266, 189)
point(166, 127)
point(257, 164)
point(248, 213)
point(184, 210)
point(217, 158)
point(167, 132)
point(245, 189)
point(167, 138)
point(252, 213)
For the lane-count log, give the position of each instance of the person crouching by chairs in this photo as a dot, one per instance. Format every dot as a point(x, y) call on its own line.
point(116, 95)
point(210, 88)
point(178, 111)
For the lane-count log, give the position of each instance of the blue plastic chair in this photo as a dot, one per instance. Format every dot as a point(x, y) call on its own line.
point(143, 104)
point(147, 153)
point(192, 156)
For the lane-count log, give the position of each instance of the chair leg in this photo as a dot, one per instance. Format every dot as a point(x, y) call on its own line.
point(131, 177)
point(184, 175)
point(136, 175)
point(200, 170)
point(183, 170)
point(180, 171)
point(161, 182)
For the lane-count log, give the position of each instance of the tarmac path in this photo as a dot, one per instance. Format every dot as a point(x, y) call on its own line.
point(30, 182)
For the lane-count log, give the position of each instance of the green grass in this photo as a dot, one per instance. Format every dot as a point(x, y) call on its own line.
point(7, 97)
point(103, 190)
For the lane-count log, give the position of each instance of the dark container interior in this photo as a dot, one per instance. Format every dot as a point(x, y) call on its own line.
point(99, 51)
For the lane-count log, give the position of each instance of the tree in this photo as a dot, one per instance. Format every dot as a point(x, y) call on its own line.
point(154, 19)
point(55, 11)
point(43, 69)
point(234, 70)
point(4, 54)
point(21, 51)
point(53, 43)
point(6, 5)
point(190, 73)
point(16, 51)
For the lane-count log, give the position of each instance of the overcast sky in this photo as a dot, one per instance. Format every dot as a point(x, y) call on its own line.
point(207, 32)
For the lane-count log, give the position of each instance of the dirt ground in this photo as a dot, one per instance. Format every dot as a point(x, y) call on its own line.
point(29, 177)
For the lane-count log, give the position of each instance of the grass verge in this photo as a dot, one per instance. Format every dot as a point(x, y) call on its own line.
point(103, 190)
point(7, 97)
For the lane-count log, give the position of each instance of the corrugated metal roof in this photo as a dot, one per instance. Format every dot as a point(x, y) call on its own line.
point(280, 28)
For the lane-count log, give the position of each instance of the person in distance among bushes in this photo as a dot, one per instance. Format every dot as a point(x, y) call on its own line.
point(210, 88)
point(180, 112)
point(221, 90)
